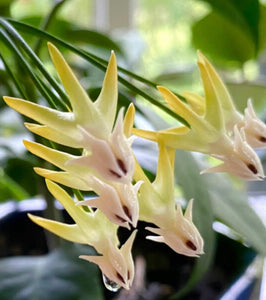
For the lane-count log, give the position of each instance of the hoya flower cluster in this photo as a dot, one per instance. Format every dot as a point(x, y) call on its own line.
point(216, 127)
point(107, 166)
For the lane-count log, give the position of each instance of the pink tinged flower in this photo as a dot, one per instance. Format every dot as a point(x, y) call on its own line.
point(183, 236)
point(243, 162)
point(212, 120)
point(254, 128)
point(113, 160)
point(119, 203)
point(116, 264)
point(97, 231)
point(117, 200)
point(157, 206)
point(90, 125)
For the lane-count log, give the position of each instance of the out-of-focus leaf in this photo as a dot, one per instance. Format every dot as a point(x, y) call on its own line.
point(60, 275)
point(9, 189)
point(21, 171)
point(241, 92)
point(222, 40)
point(194, 186)
point(262, 27)
point(72, 33)
point(244, 14)
point(230, 206)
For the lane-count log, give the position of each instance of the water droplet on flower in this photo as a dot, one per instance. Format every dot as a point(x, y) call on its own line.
point(110, 285)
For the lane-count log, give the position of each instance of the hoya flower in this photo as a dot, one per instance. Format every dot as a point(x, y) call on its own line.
point(254, 128)
point(118, 201)
point(157, 206)
point(212, 129)
point(94, 229)
point(89, 125)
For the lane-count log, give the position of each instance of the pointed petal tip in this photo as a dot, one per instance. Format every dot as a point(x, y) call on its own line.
point(52, 48)
point(113, 56)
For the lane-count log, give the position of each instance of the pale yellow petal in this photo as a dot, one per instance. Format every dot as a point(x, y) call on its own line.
point(107, 100)
point(68, 232)
point(213, 111)
point(64, 178)
point(164, 181)
point(183, 110)
point(86, 114)
point(83, 219)
point(146, 134)
point(129, 120)
point(221, 90)
point(196, 102)
point(55, 157)
point(61, 121)
point(54, 135)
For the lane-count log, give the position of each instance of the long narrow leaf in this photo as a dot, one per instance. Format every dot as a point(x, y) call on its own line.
point(37, 62)
point(10, 44)
point(96, 63)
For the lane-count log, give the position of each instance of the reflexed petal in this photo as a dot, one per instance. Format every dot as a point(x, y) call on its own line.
point(68, 232)
point(220, 89)
point(60, 121)
point(55, 157)
point(213, 110)
point(129, 120)
point(164, 182)
point(86, 114)
point(146, 134)
point(107, 100)
point(196, 122)
point(83, 219)
point(53, 135)
point(65, 178)
point(196, 102)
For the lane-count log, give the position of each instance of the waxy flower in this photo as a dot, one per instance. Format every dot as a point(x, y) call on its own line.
point(117, 200)
point(90, 125)
point(157, 206)
point(254, 128)
point(212, 131)
point(106, 165)
point(94, 229)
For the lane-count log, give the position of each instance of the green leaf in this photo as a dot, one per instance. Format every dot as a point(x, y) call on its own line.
point(231, 207)
point(10, 189)
point(60, 275)
point(241, 92)
point(223, 40)
point(244, 14)
point(194, 186)
point(262, 27)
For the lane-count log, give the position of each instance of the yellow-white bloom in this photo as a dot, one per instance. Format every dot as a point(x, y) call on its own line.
point(118, 201)
point(97, 231)
point(106, 165)
point(90, 125)
point(157, 206)
point(254, 128)
point(212, 127)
